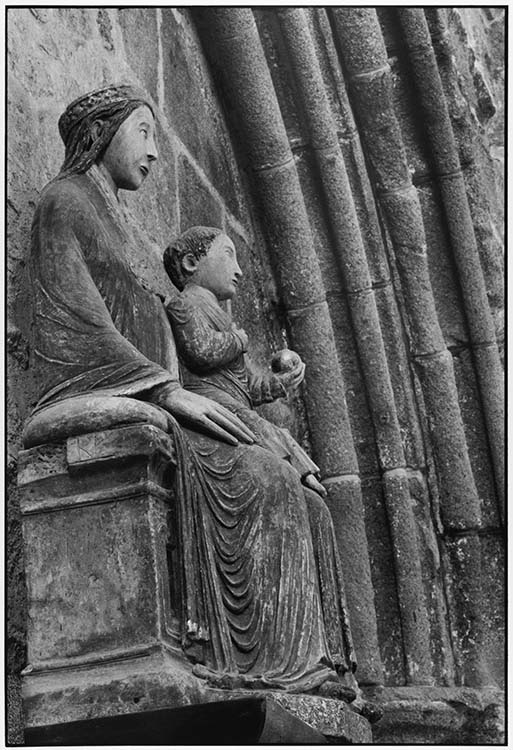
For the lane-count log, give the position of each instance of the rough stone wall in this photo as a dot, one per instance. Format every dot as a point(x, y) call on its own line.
point(478, 43)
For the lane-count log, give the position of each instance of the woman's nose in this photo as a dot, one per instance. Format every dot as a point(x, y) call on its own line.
point(151, 149)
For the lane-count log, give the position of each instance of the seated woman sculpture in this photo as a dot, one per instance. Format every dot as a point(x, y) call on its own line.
point(262, 597)
point(202, 263)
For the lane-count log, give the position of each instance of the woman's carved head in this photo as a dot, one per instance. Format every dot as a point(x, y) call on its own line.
point(90, 123)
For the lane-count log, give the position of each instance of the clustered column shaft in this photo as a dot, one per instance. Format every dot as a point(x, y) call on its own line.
point(242, 66)
point(452, 186)
point(362, 303)
point(365, 59)
point(379, 268)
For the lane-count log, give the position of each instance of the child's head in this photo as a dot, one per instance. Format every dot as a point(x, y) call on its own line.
point(205, 256)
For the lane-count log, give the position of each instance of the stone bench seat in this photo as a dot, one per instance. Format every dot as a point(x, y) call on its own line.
point(89, 413)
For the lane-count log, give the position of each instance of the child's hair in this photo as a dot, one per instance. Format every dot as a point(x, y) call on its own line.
point(197, 241)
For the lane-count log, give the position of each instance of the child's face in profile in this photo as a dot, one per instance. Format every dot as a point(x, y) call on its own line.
point(218, 270)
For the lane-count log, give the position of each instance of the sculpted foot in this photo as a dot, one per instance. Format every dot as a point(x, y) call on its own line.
point(334, 689)
point(223, 681)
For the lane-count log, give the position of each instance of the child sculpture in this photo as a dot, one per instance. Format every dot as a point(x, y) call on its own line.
point(202, 263)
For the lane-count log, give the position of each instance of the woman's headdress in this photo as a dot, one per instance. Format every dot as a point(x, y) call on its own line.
point(112, 105)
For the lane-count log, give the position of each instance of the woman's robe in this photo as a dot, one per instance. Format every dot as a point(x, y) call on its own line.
point(261, 585)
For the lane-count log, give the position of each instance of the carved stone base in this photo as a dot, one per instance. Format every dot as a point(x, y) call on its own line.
point(142, 683)
point(95, 527)
point(246, 721)
point(332, 718)
point(164, 681)
point(102, 637)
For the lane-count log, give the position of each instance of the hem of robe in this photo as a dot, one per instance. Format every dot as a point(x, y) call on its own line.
point(316, 676)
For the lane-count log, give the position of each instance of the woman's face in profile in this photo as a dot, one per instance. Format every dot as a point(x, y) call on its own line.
point(132, 150)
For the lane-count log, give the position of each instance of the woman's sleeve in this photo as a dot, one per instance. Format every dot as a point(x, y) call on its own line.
point(77, 347)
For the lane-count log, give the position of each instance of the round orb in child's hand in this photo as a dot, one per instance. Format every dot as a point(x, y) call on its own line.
point(285, 360)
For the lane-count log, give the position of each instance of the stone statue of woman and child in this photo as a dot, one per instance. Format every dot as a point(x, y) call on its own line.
point(263, 603)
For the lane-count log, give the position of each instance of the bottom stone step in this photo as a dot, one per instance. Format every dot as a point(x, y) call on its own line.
point(238, 722)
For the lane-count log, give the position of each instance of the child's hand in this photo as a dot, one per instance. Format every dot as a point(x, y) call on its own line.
point(292, 379)
point(311, 481)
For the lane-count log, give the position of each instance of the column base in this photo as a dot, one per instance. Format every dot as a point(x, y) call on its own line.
point(439, 715)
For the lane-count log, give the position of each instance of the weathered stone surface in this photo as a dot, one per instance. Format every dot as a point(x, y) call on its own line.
point(280, 70)
point(383, 581)
point(15, 718)
point(432, 579)
point(96, 572)
point(295, 264)
point(138, 26)
point(155, 680)
point(494, 598)
point(407, 566)
point(332, 718)
point(469, 45)
point(399, 368)
point(355, 395)
point(85, 414)
point(475, 433)
point(452, 716)
point(74, 50)
point(465, 565)
point(192, 108)
point(244, 721)
point(442, 273)
point(460, 506)
point(252, 305)
point(313, 340)
point(103, 598)
point(198, 207)
point(345, 504)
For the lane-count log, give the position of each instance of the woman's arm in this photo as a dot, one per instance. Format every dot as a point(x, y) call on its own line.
point(78, 347)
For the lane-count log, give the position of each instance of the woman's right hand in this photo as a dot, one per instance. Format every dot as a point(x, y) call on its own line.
point(206, 415)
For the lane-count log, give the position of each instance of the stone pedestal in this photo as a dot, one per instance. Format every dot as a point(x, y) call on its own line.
point(103, 638)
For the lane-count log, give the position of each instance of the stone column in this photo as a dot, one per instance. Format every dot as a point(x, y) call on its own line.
point(364, 314)
point(459, 221)
point(365, 59)
point(238, 59)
